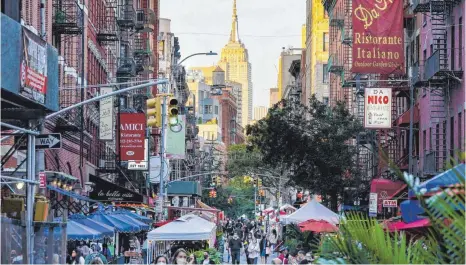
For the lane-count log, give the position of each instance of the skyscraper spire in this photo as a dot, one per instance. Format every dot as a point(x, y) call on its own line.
point(234, 23)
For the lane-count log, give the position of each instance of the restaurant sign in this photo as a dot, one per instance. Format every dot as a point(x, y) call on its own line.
point(132, 136)
point(378, 46)
point(107, 191)
point(378, 108)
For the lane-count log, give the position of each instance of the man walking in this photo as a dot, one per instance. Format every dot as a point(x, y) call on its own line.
point(235, 245)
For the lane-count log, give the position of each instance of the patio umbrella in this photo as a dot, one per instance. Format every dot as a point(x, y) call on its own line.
point(319, 226)
point(127, 219)
point(135, 216)
point(77, 231)
point(120, 225)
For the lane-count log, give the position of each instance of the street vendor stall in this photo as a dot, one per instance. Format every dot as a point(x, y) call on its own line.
point(186, 228)
point(313, 210)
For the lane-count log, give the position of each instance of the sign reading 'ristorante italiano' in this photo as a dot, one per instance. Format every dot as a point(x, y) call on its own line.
point(378, 37)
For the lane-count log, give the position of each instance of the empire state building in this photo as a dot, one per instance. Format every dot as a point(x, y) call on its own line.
point(235, 62)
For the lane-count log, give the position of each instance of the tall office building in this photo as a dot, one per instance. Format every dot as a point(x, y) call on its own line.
point(260, 112)
point(235, 62)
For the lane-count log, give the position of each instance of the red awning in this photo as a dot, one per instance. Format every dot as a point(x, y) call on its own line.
point(386, 190)
point(161, 223)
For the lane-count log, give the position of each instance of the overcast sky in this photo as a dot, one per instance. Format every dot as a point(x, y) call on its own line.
point(265, 26)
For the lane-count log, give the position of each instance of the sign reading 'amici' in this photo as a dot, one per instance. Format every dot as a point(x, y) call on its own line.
point(132, 136)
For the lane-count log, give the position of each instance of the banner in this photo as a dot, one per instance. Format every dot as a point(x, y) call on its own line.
point(378, 108)
point(33, 69)
point(132, 136)
point(176, 144)
point(378, 37)
point(107, 191)
point(106, 115)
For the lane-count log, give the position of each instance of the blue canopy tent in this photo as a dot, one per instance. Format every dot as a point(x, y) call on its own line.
point(120, 225)
point(411, 211)
point(449, 177)
point(137, 216)
point(77, 231)
point(107, 231)
point(126, 218)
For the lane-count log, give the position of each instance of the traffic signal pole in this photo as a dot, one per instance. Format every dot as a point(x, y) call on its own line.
point(162, 151)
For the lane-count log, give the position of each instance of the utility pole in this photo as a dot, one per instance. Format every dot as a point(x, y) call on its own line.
point(162, 151)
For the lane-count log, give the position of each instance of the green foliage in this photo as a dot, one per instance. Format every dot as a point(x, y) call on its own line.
point(242, 194)
point(213, 254)
point(313, 141)
point(362, 240)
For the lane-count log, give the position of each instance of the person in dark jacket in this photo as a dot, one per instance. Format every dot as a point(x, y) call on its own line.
point(207, 259)
point(235, 245)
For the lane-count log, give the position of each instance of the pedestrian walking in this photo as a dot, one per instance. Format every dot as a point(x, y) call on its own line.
point(283, 255)
point(253, 251)
point(235, 245)
point(180, 257)
point(207, 259)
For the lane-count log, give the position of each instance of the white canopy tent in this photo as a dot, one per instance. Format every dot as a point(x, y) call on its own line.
point(312, 210)
point(187, 227)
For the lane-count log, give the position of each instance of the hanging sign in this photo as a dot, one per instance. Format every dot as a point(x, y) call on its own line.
point(106, 115)
point(378, 46)
point(372, 204)
point(378, 108)
point(390, 203)
point(42, 180)
point(132, 136)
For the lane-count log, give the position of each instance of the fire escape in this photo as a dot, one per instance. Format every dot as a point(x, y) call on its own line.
point(436, 77)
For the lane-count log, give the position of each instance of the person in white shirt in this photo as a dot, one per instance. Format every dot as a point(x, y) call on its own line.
point(253, 251)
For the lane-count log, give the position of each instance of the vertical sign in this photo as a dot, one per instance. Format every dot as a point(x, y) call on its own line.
point(106, 115)
point(378, 108)
point(42, 180)
point(378, 37)
point(373, 204)
point(33, 69)
point(132, 136)
point(154, 170)
point(176, 144)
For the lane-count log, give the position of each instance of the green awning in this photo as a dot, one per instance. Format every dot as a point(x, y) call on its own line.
point(186, 188)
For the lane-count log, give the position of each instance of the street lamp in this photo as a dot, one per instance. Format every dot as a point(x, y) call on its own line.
point(195, 54)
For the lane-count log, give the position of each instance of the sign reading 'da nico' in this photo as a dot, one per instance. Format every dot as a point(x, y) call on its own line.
point(33, 69)
point(390, 203)
point(378, 37)
point(378, 108)
point(107, 191)
point(132, 136)
point(44, 141)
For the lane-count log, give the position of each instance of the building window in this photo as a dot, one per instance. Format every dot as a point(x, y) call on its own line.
point(452, 137)
point(325, 74)
point(460, 43)
point(208, 109)
point(326, 41)
point(325, 100)
point(424, 141)
point(216, 109)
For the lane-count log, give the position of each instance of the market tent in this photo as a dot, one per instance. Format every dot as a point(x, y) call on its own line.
point(107, 231)
point(312, 210)
point(120, 215)
point(187, 227)
point(77, 231)
point(120, 225)
point(138, 217)
point(449, 177)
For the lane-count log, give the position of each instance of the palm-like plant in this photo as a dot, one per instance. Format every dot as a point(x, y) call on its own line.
point(363, 240)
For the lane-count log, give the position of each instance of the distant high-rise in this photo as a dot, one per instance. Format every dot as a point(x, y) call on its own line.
point(235, 62)
point(260, 112)
point(274, 97)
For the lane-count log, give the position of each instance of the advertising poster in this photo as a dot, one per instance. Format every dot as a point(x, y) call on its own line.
point(106, 115)
point(378, 108)
point(378, 37)
point(372, 204)
point(132, 136)
point(33, 72)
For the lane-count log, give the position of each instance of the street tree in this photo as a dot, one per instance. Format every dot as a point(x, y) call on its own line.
point(313, 142)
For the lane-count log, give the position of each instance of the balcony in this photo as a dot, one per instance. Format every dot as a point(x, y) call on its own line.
point(126, 16)
point(126, 68)
point(67, 17)
point(141, 46)
point(336, 18)
point(421, 6)
point(333, 66)
point(404, 119)
point(144, 64)
point(107, 28)
point(145, 20)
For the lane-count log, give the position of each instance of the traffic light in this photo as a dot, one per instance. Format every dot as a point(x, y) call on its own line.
point(173, 111)
point(255, 182)
point(214, 194)
point(259, 182)
point(218, 180)
point(154, 112)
